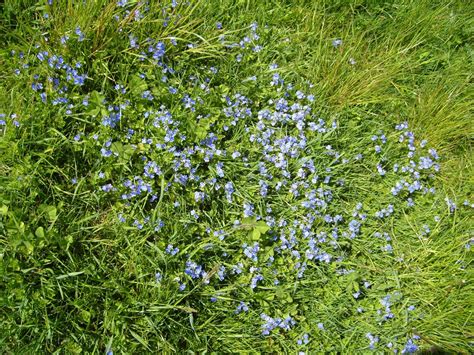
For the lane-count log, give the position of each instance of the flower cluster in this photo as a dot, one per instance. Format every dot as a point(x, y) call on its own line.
point(250, 185)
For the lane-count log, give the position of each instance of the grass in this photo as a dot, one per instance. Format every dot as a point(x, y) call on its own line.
point(77, 279)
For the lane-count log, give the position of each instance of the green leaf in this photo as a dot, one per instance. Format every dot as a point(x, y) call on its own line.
point(248, 223)
point(139, 338)
point(248, 220)
point(93, 112)
point(73, 347)
point(49, 211)
point(3, 210)
point(96, 99)
point(124, 152)
point(116, 147)
point(256, 234)
point(52, 213)
point(355, 286)
point(137, 85)
point(29, 248)
point(262, 227)
point(71, 274)
point(85, 315)
point(39, 232)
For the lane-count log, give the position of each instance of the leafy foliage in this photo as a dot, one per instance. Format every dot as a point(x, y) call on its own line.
point(215, 176)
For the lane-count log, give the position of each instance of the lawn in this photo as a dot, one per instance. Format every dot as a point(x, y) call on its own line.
point(236, 176)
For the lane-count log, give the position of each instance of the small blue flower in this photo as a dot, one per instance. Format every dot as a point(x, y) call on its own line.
point(337, 42)
point(373, 340)
point(410, 347)
point(79, 33)
point(254, 281)
point(252, 251)
point(170, 249)
point(248, 209)
point(242, 307)
point(158, 277)
point(194, 214)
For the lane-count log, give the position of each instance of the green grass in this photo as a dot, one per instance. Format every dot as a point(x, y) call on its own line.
point(76, 279)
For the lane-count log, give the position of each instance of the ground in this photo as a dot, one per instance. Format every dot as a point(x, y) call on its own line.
point(236, 176)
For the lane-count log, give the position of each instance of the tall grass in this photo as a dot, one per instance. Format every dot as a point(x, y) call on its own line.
point(76, 280)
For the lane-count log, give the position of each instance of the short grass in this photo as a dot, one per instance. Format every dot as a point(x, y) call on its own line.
point(77, 279)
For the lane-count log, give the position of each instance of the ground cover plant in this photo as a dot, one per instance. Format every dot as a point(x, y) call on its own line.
point(236, 176)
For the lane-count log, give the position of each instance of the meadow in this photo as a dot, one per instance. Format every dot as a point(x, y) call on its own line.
point(231, 176)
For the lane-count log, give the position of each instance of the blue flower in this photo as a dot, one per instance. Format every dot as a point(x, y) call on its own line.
point(194, 214)
point(248, 209)
point(79, 34)
point(252, 251)
point(170, 249)
point(219, 169)
point(254, 281)
point(373, 340)
point(410, 347)
point(337, 42)
point(147, 95)
point(108, 188)
point(194, 270)
point(158, 277)
point(272, 323)
point(242, 307)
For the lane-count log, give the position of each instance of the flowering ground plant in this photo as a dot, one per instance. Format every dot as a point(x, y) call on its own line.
point(170, 183)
